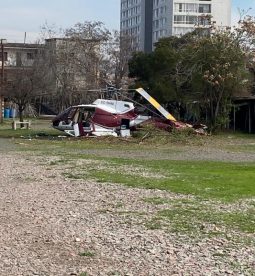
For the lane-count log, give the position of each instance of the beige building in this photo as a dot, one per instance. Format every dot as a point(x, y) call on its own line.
point(13, 58)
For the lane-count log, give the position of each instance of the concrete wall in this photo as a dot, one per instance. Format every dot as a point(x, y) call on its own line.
point(19, 56)
point(221, 12)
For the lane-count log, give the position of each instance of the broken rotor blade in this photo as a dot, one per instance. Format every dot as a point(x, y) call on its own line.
point(152, 101)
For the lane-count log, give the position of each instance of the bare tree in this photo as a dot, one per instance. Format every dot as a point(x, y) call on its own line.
point(22, 89)
point(83, 58)
point(25, 81)
point(73, 62)
point(119, 52)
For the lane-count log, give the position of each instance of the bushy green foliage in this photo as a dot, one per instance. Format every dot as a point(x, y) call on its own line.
point(195, 68)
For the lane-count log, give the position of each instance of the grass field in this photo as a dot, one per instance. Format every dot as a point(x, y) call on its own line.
point(37, 127)
point(218, 193)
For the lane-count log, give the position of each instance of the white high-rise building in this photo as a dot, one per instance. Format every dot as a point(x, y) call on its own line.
point(149, 20)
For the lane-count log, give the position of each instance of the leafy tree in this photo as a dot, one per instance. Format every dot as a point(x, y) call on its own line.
point(162, 71)
point(218, 64)
point(154, 72)
point(201, 67)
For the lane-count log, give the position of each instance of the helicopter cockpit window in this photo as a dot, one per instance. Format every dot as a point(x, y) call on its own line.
point(71, 113)
point(85, 118)
point(68, 116)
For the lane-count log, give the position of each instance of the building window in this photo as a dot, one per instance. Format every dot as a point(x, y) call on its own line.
point(204, 8)
point(185, 19)
point(5, 56)
point(30, 56)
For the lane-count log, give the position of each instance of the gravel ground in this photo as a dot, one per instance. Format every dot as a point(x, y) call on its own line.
point(228, 149)
point(51, 225)
point(179, 153)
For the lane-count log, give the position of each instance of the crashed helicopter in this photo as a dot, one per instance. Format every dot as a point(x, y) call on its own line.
point(114, 117)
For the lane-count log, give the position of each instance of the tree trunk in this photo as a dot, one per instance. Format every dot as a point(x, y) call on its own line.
point(217, 108)
point(212, 119)
point(21, 118)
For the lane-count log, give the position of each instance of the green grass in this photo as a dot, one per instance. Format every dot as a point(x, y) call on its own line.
point(210, 183)
point(217, 180)
point(39, 127)
point(84, 274)
point(87, 254)
point(242, 148)
point(155, 200)
point(27, 133)
point(194, 219)
point(195, 216)
point(225, 182)
point(154, 224)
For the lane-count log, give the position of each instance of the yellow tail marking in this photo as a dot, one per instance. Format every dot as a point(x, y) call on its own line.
point(151, 100)
point(154, 102)
point(171, 118)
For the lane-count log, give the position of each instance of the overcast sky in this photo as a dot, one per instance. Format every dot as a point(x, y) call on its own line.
point(20, 16)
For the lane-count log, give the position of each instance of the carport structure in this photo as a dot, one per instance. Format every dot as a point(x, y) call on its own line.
point(243, 114)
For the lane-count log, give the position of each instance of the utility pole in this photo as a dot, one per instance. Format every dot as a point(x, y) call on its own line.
point(2, 79)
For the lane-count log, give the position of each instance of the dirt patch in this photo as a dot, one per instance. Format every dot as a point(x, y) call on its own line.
point(7, 145)
point(52, 225)
point(197, 153)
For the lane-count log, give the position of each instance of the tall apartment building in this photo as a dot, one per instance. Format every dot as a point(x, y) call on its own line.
point(149, 20)
point(137, 21)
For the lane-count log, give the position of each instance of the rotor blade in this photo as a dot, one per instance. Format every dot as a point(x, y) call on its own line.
point(153, 102)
